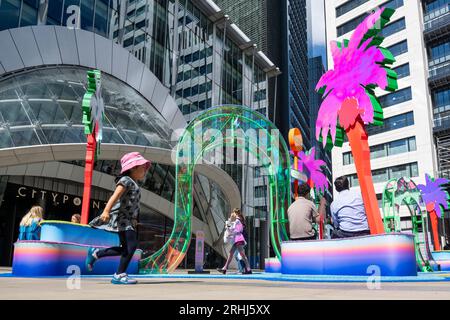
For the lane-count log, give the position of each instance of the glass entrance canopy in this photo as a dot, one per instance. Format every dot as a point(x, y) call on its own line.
point(43, 106)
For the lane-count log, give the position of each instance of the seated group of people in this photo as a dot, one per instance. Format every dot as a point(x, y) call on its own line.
point(347, 213)
point(30, 228)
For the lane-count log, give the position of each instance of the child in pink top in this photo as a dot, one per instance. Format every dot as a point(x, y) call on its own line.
point(237, 229)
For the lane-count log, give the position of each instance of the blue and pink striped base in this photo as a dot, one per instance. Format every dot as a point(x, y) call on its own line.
point(63, 245)
point(272, 265)
point(38, 258)
point(387, 255)
point(443, 259)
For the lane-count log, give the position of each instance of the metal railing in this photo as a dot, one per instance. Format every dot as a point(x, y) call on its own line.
point(439, 70)
point(438, 22)
point(430, 16)
point(442, 122)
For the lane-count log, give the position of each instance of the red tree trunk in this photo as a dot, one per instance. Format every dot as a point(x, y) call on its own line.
point(435, 230)
point(88, 170)
point(358, 139)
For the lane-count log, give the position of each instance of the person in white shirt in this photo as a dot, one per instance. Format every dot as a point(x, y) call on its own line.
point(347, 211)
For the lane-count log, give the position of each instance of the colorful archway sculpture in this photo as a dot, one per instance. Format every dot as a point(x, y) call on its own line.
point(230, 127)
point(404, 191)
point(360, 65)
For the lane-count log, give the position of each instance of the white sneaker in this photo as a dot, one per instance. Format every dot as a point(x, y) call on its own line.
point(122, 279)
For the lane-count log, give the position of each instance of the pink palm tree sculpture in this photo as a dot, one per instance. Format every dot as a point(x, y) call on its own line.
point(360, 65)
point(312, 167)
point(434, 198)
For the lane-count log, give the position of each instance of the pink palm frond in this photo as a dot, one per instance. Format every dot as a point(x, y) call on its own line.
point(312, 167)
point(433, 194)
point(360, 65)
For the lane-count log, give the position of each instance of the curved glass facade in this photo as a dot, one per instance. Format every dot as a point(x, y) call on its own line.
point(199, 62)
point(44, 107)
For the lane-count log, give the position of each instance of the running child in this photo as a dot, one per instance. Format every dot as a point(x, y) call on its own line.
point(128, 195)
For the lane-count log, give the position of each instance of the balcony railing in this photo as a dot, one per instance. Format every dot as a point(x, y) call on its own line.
point(441, 123)
point(439, 74)
point(437, 26)
point(436, 13)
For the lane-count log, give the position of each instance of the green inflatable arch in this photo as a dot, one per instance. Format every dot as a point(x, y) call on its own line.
point(217, 130)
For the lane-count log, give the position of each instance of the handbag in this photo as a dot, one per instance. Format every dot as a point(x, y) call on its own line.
point(228, 236)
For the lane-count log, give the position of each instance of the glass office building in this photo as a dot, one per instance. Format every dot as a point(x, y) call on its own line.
point(162, 62)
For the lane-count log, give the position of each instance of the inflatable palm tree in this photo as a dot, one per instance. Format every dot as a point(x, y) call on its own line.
point(360, 65)
point(434, 198)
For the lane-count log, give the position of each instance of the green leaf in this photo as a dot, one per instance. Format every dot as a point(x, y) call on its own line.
point(388, 57)
point(378, 116)
point(338, 141)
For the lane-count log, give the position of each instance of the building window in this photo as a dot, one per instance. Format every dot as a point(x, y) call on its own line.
point(393, 28)
point(349, 6)
point(352, 24)
point(398, 48)
point(260, 171)
point(439, 53)
point(397, 97)
point(386, 149)
point(261, 212)
point(261, 192)
point(347, 158)
point(393, 4)
point(9, 14)
point(441, 101)
point(410, 170)
point(436, 5)
point(392, 123)
point(259, 95)
point(402, 71)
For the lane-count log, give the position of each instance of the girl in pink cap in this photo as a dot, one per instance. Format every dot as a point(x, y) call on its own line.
point(125, 200)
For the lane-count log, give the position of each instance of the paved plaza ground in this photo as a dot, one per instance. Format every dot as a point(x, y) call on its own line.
point(212, 288)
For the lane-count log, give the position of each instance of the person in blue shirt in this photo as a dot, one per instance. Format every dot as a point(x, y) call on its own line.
point(347, 211)
point(30, 228)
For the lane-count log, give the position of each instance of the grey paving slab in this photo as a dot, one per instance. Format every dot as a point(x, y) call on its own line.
point(213, 289)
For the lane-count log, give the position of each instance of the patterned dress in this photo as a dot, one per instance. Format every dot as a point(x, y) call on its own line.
point(125, 212)
point(129, 209)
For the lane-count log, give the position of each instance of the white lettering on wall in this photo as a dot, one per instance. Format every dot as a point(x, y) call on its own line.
point(20, 194)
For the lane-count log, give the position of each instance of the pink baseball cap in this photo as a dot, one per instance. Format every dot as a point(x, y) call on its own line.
point(131, 160)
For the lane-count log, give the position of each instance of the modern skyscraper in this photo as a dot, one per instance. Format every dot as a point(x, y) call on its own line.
point(251, 17)
point(418, 38)
point(317, 62)
point(436, 29)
